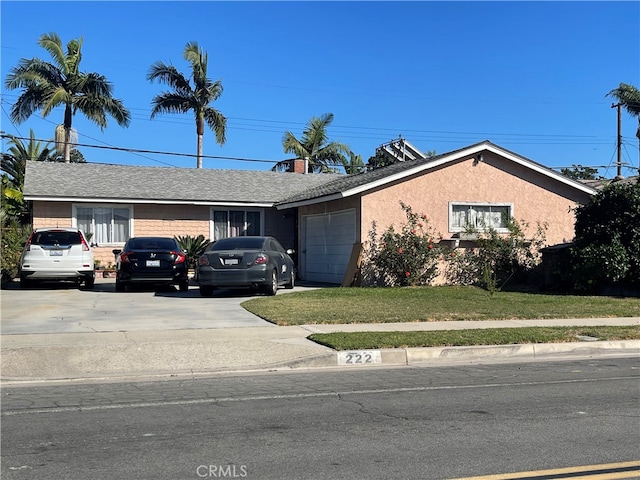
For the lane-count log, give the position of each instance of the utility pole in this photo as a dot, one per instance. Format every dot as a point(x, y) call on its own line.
point(619, 162)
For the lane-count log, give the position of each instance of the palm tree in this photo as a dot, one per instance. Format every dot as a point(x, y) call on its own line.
point(315, 147)
point(629, 97)
point(13, 165)
point(61, 83)
point(184, 98)
point(354, 164)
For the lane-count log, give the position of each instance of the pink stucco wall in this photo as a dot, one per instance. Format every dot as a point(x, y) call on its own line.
point(535, 198)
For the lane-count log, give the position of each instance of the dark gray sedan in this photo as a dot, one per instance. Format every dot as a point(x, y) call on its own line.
point(245, 262)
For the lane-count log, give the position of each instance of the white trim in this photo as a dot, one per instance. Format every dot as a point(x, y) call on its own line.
point(509, 205)
point(147, 202)
point(130, 207)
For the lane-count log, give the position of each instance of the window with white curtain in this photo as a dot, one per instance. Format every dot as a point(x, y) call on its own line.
point(236, 223)
point(107, 225)
point(479, 216)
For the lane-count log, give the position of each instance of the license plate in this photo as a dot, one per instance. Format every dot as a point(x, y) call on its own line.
point(55, 253)
point(153, 263)
point(230, 261)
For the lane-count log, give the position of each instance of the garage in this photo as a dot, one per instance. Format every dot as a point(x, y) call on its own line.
point(327, 241)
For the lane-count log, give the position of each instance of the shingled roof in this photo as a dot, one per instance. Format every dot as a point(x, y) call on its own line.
point(97, 181)
point(347, 185)
point(103, 182)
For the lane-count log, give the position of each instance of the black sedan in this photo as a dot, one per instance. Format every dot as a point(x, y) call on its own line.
point(152, 261)
point(253, 262)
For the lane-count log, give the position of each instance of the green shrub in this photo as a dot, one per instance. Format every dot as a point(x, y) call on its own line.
point(14, 235)
point(408, 257)
point(193, 246)
point(606, 247)
point(496, 258)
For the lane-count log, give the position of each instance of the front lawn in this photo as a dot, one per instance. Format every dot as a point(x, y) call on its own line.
point(430, 304)
point(492, 336)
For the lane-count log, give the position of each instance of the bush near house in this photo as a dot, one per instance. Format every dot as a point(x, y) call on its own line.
point(411, 256)
point(606, 250)
point(14, 235)
point(408, 257)
point(497, 258)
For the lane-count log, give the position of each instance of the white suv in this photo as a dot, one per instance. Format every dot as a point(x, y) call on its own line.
point(57, 254)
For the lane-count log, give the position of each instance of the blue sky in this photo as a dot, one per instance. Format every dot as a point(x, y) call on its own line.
point(529, 76)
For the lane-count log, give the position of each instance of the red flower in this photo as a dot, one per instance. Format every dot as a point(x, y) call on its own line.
point(424, 217)
point(406, 274)
point(430, 246)
point(414, 231)
point(399, 250)
point(420, 225)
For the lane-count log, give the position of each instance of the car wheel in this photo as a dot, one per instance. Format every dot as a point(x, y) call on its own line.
point(292, 280)
point(206, 290)
point(89, 283)
point(120, 287)
point(272, 287)
point(183, 286)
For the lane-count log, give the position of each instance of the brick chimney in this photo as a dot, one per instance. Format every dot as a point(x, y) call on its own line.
point(298, 165)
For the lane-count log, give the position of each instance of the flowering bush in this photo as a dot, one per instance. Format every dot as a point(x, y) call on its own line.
point(407, 257)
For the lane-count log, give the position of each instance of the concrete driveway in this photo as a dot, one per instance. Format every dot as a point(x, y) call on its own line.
point(63, 308)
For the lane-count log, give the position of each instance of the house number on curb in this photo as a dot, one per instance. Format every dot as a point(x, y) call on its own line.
point(359, 357)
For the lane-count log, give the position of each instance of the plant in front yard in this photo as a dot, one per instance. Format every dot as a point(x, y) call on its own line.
point(193, 246)
point(497, 257)
point(408, 257)
point(14, 235)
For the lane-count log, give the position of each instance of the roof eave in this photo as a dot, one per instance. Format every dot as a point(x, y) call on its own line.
point(139, 201)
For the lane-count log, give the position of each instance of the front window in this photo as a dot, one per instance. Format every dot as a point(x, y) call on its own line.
point(107, 225)
point(479, 216)
point(236, 223)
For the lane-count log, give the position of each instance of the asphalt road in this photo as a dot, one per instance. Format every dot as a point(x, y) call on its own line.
point(410, 423)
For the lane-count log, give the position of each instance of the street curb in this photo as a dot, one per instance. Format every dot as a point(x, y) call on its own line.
point(413, 356)
point(383, 357)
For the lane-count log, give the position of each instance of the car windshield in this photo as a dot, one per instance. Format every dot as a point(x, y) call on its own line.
point(239, 243)
point(152, 244)
point(56, 238)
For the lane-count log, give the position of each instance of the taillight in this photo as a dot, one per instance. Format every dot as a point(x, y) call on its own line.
point(27, 246)
point(261, 259)
point(85, 247)
point(203, 260)
point(180, 257)
point(124, 257)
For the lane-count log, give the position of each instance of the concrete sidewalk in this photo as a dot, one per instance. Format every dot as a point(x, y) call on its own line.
point(135, 354)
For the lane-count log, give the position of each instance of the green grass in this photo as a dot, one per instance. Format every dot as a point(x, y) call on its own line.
point(430, 304)
point(494, 336)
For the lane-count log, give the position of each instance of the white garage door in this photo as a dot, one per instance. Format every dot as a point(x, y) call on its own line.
point(327, 243)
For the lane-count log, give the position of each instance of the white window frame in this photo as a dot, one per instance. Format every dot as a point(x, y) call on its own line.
point(228, 210)
point(470, 205)
point(129, 207)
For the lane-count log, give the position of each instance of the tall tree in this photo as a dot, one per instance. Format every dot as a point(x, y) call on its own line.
point(13, 165)
point(61, 83)
point(185, 98)
point(629, 97)
point(580, 172)
point(354, 164)
point(315, 147)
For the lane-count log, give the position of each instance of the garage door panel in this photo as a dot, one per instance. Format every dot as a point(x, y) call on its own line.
point(328, 243)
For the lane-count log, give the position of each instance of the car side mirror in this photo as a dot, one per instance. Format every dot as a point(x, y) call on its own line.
point(116, 251)
point(93, 245)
